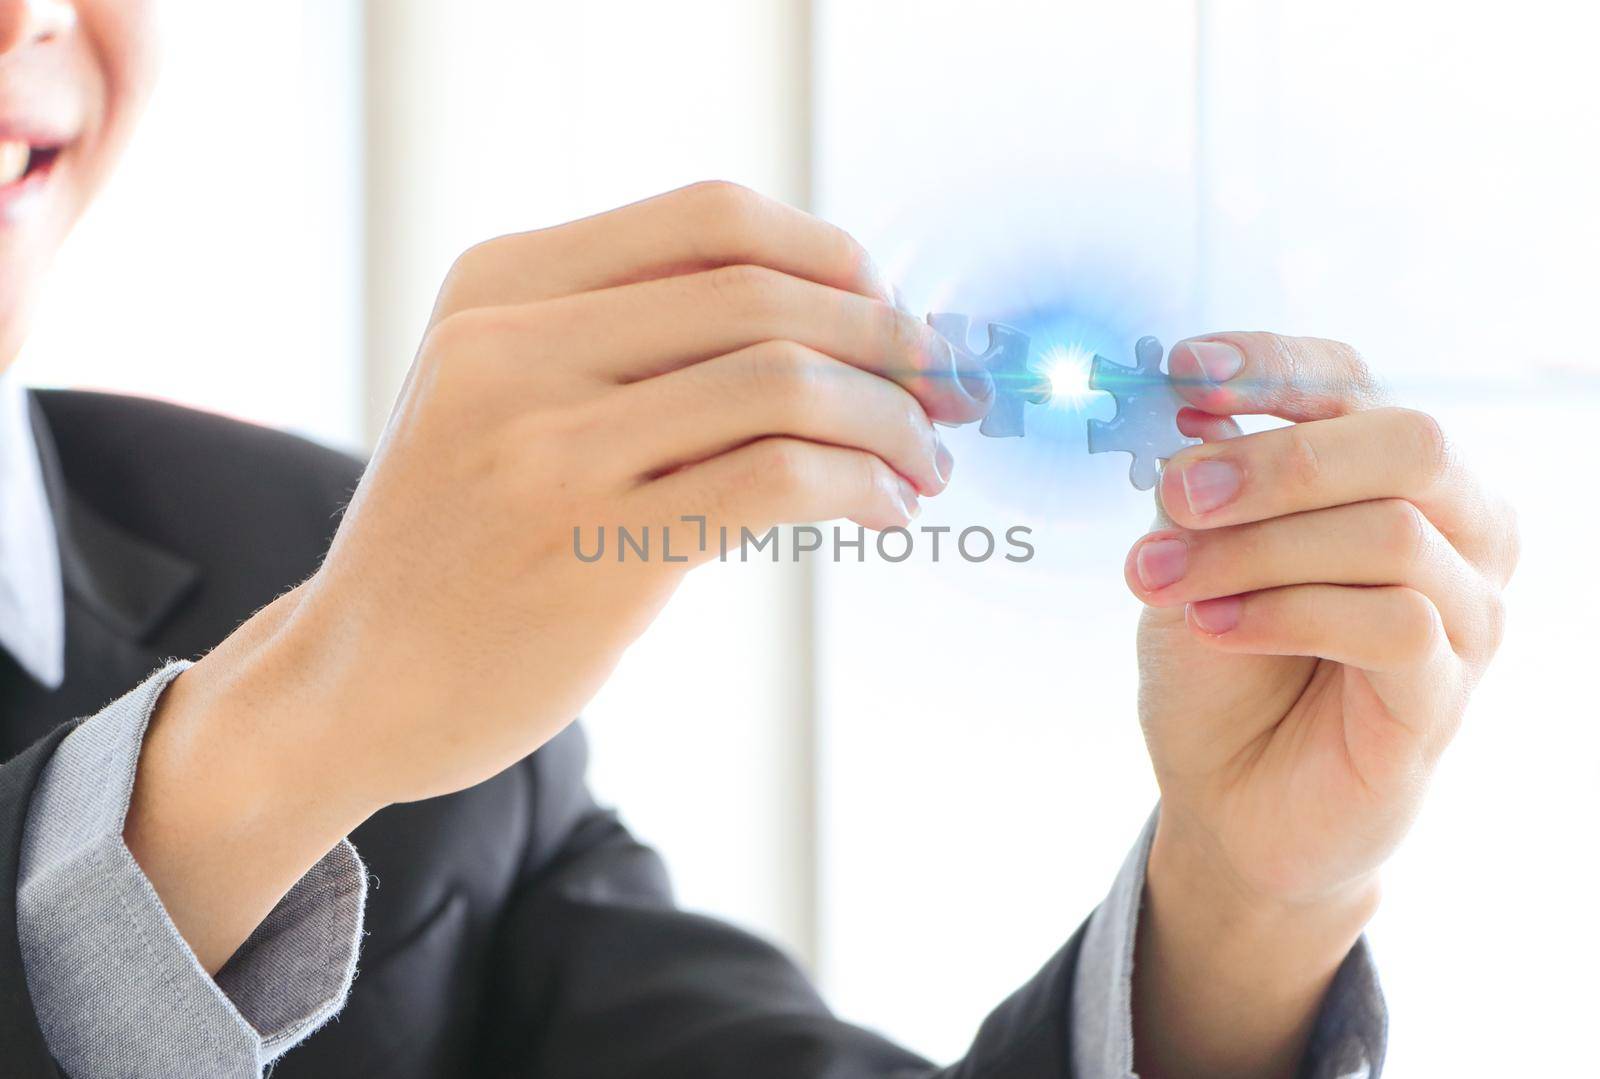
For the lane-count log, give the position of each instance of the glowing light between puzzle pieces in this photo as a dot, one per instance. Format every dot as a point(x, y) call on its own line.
point(1066, 368)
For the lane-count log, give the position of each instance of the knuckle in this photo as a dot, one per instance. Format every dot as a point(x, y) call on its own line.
point(1286, 359)
point(723, 199)
point(471, 351)
point(732, 216)
point(1297, 371)
point(1301, 385)
point(1285, 352)
point(789, 377)
point(736, 219)
point(468, 265)
point(1301, 460)
point(1351, 375)
point(1425, 441)
point(755, 481)
point(1317, 374)
point(464, 281)
point(747, 288)
point(1406, 532)
point(456, 335)
point(779, 465)
point(1418, 629)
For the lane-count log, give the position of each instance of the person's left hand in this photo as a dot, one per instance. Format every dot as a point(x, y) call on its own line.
point(1318, 611)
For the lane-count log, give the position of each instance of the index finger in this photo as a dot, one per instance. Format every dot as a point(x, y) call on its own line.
point(1250, 373)
point(1380, 454)
point(692, 229)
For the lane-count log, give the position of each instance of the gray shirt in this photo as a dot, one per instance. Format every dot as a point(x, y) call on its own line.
point(116, 988)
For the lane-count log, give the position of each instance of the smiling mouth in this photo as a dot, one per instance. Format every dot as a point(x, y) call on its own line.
point(21, 161)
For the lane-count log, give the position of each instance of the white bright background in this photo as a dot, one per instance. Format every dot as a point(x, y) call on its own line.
point(921, 778)
point(223, 267)
point(1418, 179)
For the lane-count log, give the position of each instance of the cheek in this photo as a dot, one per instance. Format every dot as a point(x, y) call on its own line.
point(117, 54)
point(123, 40)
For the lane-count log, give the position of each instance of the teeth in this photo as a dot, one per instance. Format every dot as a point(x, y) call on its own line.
point(14, 158)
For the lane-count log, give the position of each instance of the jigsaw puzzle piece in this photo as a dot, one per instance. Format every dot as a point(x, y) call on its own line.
point(1146, 423)
point(1006, 358)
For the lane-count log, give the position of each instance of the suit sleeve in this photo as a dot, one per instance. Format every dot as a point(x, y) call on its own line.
point(1347, 1042)
point(599, 975)
point(25, 1052)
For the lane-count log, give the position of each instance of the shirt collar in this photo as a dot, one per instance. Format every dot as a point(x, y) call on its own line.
point(32, 607)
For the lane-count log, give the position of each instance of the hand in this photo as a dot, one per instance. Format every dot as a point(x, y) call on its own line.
point(1319, 609)
point(708, 353)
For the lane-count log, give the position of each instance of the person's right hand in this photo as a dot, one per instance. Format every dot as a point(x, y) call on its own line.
point(705, 353)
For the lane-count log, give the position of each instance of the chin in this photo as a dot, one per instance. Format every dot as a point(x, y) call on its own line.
point(21, 274)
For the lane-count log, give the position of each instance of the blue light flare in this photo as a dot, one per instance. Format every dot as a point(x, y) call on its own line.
point(1072, 309)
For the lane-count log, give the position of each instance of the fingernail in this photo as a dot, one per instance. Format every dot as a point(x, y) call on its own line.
point(898, 298)
point(1216, 616)
point(1210, 484)
point(908, 499)
point(1218, 360)
point(944, 462)
point(1161, 562)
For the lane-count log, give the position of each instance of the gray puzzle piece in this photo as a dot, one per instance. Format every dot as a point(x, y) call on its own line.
point(1146, 423)
point(1006, 358)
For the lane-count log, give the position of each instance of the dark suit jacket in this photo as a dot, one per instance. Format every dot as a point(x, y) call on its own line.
point(518, 928)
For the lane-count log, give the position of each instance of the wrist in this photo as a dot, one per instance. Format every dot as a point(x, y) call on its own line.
point(1291, 931)
point(252, 739)
point(1229, 974)
point(234, 799)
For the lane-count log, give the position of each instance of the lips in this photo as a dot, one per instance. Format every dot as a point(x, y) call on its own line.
point(26, 170)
